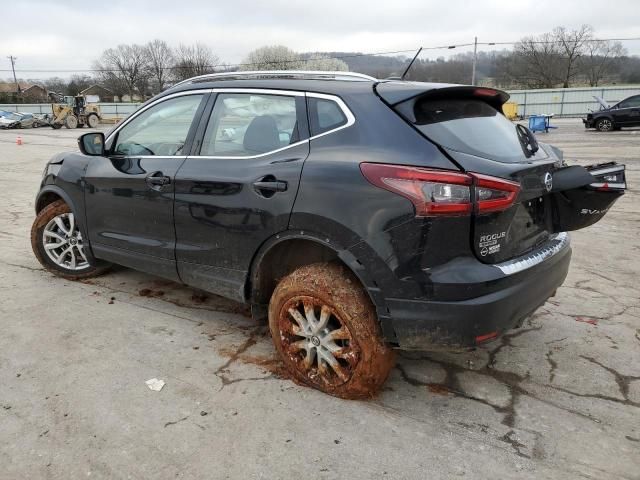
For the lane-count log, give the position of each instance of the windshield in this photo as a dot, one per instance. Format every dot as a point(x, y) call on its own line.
point(473, 127)
point(12, 116)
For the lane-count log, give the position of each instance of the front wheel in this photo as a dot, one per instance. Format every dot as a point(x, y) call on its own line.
point(326, 330)
point(604, 125)
point(71, 121)
point(92, 120)
point(58, 245)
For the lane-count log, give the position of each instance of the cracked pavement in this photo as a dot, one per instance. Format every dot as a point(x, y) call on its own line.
point(557, 398)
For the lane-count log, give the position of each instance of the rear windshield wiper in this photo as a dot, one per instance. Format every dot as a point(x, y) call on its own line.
point(527, 140)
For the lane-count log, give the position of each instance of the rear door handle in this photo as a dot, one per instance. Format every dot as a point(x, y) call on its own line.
point(273, 186)
point(157, 179)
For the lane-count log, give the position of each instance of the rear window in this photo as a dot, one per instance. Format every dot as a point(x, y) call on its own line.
point(471, 126)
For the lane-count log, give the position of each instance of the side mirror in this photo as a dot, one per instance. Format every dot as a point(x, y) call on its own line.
point(92, 144)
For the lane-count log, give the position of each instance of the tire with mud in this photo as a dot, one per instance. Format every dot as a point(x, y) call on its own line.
point(92, 120)
point(325, 328)
point(57, 243)
point(71, 121)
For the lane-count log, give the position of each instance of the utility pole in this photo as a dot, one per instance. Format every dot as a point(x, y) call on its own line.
point(475, 60)
point(13, 68)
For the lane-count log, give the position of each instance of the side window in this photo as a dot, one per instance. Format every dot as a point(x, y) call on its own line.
point(324, 115)
point(246, 124)
point(159, 130)
point(631, 102)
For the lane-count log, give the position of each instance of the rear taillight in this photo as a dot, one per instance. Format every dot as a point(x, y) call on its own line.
point(442, 192)
point(494, 194)
point(433, 192)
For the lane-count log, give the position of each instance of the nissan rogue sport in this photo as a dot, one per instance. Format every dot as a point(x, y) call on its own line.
point(358, 215)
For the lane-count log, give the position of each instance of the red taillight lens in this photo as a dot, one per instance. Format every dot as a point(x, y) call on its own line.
point(494, 194)
point(485, 92)
point(433, 192)
point(442, 192)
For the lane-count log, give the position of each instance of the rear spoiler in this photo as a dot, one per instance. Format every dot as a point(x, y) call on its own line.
point(394, 93)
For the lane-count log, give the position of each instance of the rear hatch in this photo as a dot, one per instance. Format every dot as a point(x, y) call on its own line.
point(551, 197)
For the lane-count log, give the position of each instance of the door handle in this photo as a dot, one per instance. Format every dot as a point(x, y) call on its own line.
point(157, 179)
point(271, 185)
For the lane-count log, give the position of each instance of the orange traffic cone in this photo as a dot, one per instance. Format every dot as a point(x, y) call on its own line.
point(19, 140)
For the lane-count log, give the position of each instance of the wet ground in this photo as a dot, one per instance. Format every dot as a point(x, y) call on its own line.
point(558, 398)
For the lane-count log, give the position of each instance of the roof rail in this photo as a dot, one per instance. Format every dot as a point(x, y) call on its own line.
point(265, 74)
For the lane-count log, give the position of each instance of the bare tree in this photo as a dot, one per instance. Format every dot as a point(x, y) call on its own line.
point(56, 85)
point(123, 67)
point(193, 60)
point(78, 83)
point(550, 59)
point(599, 59)
point(536, 62)
point(159, 60)
point(572, 45)
point(277, 57)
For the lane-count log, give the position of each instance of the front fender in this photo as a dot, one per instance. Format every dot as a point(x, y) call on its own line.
point(64, 177)
point(76, 209)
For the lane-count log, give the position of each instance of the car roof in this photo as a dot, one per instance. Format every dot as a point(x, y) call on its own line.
point(335, 83)
point(335, 87)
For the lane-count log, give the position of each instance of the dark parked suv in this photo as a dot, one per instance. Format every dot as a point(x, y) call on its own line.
point(623, 114)
point(358, 215)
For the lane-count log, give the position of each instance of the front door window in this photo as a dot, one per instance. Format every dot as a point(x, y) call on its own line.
point(160, 130)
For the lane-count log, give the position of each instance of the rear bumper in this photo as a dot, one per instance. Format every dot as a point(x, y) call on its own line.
point(429, 325)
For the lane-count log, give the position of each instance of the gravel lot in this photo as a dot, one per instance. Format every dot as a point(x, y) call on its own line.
point(558, 398)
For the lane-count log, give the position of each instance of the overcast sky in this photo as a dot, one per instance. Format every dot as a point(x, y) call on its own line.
point(70, 34)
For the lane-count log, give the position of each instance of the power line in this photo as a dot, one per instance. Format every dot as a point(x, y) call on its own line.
point(223, 65)
point(627, 39)
point(337, 57)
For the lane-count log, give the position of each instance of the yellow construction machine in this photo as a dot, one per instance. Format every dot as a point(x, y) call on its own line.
point(74, 112)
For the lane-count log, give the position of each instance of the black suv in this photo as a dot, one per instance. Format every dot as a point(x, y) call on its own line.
point(623, 114)
point(358, 215)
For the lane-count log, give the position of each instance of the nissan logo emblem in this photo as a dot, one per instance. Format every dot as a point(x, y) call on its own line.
point(548, 181)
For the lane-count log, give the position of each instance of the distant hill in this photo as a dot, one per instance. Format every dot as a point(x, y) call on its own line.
point(380, 66)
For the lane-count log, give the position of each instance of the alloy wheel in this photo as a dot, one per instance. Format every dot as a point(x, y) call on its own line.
point(317, 341)
point(605, 125)
point(62, 242)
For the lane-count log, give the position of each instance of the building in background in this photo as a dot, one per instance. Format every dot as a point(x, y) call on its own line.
point(27, 93)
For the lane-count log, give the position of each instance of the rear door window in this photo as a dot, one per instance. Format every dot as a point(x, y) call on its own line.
point(248, 124)
point(471, 126)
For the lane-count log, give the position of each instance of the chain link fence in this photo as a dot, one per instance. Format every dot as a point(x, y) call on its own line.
point(568, 102)
point(110, 111)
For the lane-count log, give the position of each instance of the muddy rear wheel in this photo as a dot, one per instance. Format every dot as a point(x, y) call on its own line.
point(327, 333)
point(57, 243)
